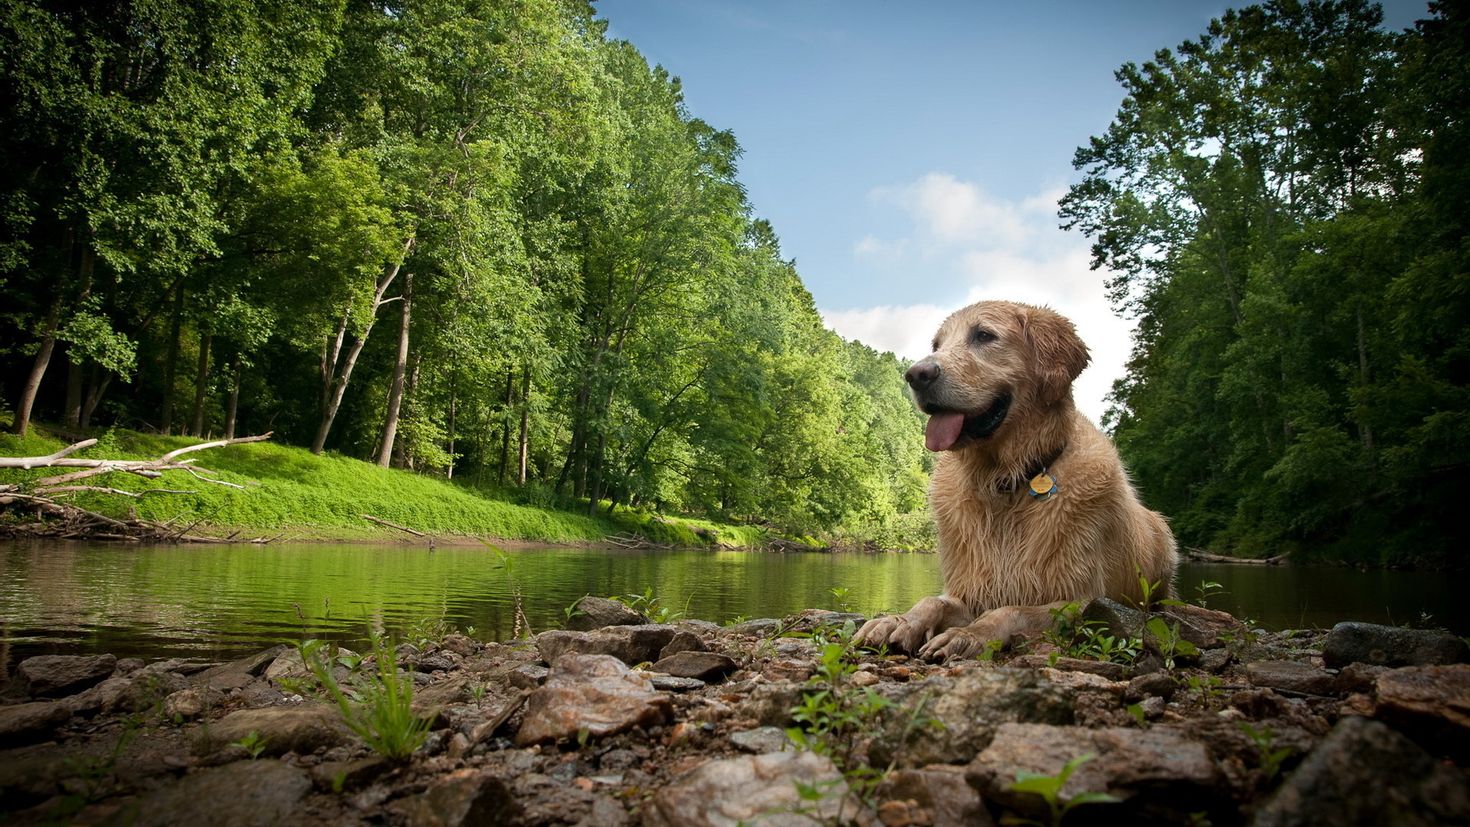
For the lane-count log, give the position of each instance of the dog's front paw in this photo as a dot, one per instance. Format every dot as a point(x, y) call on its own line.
point(961, 642)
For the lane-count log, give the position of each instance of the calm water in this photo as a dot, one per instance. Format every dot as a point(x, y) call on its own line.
point(217, 601)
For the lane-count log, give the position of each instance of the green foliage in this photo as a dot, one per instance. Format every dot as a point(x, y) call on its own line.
point(1269, 756)
point(834, 716)
point(1078, 638)
point(1049, 789)
point(1166, 639)
point(1207, 590)
point(382, 714)
point(652, 606)
point(252, 743)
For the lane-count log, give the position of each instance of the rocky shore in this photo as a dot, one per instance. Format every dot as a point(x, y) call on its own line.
point(618, 721)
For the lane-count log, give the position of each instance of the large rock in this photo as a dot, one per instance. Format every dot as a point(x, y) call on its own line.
point(53, 676)
point(598, 612)
point(21, 723)
point(239, 673)
point(757, 789)
point(1431, 703)
point(592, 693)
point(242, 794)
point(1365, 773)
point(1117, 619)
point(104, 697)
point(300, 729)
point(1205, 628)
point(1292, 676)
point(1157, 774)
point(706, 666)
point(464, 798)
point(630, 644)
point(1391, 646)
point(968, 709)
point(934, 796)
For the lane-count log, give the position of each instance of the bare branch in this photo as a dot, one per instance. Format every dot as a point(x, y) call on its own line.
point(46, 461)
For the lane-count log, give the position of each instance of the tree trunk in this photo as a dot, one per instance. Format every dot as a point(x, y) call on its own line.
point(1365, 431)
point(72, 415)
point(201, 384)
point(525, 444)
point(453, 403)
point(510, 376)
point(233, 406)
point(38, 371)
point(171, 362)
point(395, 391)
point(96, 387)
point(337, 370)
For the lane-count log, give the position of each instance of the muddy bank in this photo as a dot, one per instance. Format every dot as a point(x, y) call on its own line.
point(1207, 721)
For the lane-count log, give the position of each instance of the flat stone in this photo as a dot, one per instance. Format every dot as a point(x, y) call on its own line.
point(1152, 772)
point(1364, 772)
point(1118, 620)
point(630, 644)
point(709, 667)
point(528, 676)
point(669, 683)
point(1354, 642)
point(242, 794)
point(757, 789)
point(599, 612)
point(935, 796)
point(593, 693)
point(238, 673)
point(684, 641)
point(287, 665)
point(1152, 685)
point(968, 709)
point(53, 676)
point(761, 740)
point(190, 703)
point(301, 729)
point(36, 721)
point(759, 627)
point(338, 776)
point(1292, 676)
point(104, 697)
point(1429, 703)
point(1205, 628)
point(1103, 669)
point(464, 798)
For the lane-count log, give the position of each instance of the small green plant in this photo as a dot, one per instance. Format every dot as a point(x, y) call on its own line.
point(1049, 788)
point(736, 620)
point(1168, 640)
point(1078, 638)
point(1151, 591)
point(1204, 687)
point(477, 692)
point(1205, 590)
point(383, 715)
point(1270, 756)
point(652, 607)
point(427, 630)
point(840, 599)
point(1136, 710)
point(252, 743)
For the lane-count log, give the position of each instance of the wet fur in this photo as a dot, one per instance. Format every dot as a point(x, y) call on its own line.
point(1008, 558)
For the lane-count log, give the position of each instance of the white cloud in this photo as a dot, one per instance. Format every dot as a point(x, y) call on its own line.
point(963, 242)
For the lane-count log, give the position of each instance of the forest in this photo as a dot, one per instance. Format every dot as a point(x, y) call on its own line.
point(1282, 205)
point(478, 239)
point(470, 238)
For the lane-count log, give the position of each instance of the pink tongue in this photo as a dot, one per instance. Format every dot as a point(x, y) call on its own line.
point(942, 431)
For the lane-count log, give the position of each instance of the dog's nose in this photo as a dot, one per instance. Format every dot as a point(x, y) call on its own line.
point(922, 374)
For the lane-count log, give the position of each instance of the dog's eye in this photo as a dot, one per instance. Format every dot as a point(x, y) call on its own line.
point(981, 336)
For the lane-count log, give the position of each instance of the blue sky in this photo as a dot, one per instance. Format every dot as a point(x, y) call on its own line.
point(910, 154)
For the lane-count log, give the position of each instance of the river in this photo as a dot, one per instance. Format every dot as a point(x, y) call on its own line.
point(221, 601)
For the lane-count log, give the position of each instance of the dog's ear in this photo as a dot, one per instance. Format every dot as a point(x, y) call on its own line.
point(1058, 354)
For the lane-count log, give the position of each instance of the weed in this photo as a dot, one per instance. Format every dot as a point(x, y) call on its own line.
point(1136, 710)
point(1078, 638)
point(1206, 590)
point(840, 599)
point(521, 627)
point(428, 630)
point(652, 607)
point(834, 715)
point(1152, 591)
point(384, 716)
point(252, 743)
point(477, 692)
point(1049, 787)
point(1204, 687)
point(1168, 640)
point(737, 620)
point(1270, 756)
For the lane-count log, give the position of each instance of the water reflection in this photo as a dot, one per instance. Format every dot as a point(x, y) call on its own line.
point(218, 601)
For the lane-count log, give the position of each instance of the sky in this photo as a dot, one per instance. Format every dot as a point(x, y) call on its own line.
point(910, 154)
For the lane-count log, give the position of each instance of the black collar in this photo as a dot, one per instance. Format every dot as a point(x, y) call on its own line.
point(1007, 485)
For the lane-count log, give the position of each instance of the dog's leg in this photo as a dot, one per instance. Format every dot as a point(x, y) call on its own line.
point(1003, 624)
point(908, 631)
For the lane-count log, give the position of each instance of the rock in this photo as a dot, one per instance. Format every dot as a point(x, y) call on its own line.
point(760, 627)
point(968, 709)
point(464, 798)
point(528, 676)
point(436, 662)
point(630, 644)
point(337, 776)
point(684, 641)
point(190, 703)
point(1103, 669)
point(1291, 676)
point(54, 676)
point(259, 693)
point(1430, 703)
point(236, 674)
point(1152, 685)
point(606, 812)
point(936, 796)
point(1391, 646)
point(22, 723)
point(459, 644)
point(104, 697)
point(756, 789)
point(287, 665)
point(596, 693)
point(1205, 628)
point(810, 620)
point(770, 704)
point(710, 667)
point(300, 729)
point(1363, 772)
point(1154, 772)
point(1118, 620)
point(598, 612)
point(146, 690)
point(761, 740)
point(669, 683)
point(242, 794)
point(127, 666)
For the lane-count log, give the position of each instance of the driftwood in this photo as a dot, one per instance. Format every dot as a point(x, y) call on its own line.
point(1206, 557)
point(634, 541)
point(380, 521)
point(51, 516)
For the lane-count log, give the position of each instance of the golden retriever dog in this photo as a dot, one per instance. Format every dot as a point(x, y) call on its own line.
point(1032, 505)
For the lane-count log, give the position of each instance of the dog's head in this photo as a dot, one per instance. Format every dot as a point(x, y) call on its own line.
point(994, 361)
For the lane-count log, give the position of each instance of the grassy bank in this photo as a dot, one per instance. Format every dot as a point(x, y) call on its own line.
point(287, 489)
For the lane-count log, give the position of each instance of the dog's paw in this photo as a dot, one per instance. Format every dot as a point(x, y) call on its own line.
point(898, 632)
point(961, 642)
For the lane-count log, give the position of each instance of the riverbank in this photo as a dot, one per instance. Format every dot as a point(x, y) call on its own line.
point(290, 494)
point(608, 723)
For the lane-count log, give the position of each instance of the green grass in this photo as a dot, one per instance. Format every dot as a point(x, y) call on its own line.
point(288, 489)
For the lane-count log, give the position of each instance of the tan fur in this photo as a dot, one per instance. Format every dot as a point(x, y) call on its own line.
point(1006, 556)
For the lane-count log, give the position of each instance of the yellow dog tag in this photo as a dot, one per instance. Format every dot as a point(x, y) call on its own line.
point(1042, 486)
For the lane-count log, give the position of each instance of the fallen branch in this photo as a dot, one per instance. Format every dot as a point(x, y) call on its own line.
point(1206, 557)
point(380, 521)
